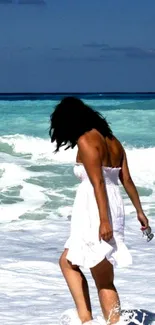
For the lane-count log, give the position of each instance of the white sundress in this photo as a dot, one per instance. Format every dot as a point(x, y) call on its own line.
point(84, 247)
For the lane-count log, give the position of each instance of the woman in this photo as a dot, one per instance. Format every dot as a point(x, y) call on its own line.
point(97, 226)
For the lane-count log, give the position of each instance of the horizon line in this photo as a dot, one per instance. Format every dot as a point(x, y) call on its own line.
point(78, 93)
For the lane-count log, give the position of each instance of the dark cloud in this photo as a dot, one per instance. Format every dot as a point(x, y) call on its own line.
point(73, 59)
point(25, 49)
point(15, 50)
point(119, 48)
point(100, 58)
point(109, 54)
point(117, 51)
point(56, 49)
point(130, 51)
point(96, 45)
point(32, 2)
point(5, 2)
point(141, 54)
point(23, 2)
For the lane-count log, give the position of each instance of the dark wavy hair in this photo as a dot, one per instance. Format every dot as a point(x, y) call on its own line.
point(71, 119)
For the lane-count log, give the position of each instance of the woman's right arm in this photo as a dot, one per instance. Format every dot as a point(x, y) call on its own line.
point(131, 190)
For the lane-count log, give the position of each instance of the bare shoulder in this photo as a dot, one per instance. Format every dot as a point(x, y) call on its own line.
point(117, 144)
point(88, 138)
point(83, 140)
point(88, 151)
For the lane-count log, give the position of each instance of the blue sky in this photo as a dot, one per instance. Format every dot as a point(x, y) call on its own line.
point(83, 46)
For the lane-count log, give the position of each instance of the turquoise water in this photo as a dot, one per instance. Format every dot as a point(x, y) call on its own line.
point(37, 192)
point(124, 115)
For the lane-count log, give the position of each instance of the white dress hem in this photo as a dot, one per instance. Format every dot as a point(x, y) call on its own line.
point(89, 254)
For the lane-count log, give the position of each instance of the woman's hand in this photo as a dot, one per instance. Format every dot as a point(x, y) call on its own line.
point(105, 231)
point(143, 219)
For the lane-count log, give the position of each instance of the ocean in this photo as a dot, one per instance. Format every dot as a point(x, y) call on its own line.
point(37, 189)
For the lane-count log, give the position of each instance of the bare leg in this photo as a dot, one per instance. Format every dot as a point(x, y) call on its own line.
point(78, 287)
point(103, 276)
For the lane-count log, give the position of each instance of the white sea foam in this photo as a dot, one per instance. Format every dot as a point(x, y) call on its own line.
point(32, 196)
point(140, 160)
point(109, 103)
point(38, 148)
point(33, 199)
